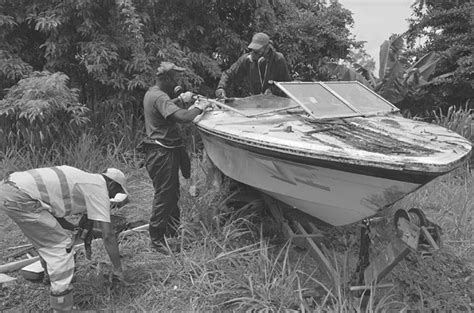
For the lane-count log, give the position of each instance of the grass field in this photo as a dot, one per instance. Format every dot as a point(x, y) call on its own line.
point(235, 259)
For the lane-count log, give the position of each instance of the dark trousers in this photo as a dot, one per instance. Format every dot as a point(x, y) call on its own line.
point(163, 166)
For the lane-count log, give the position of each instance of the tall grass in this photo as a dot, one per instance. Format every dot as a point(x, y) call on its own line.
point(456, 119)
point(118, 123)
point(214, 274)
point(448, 201)
point(444, 280)
point(85, 153)
point(227, 264)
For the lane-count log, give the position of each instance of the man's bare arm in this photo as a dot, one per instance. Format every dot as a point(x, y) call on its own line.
point(185, 116)
point(111, 246)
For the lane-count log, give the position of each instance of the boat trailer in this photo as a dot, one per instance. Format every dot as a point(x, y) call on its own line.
point(413, 233)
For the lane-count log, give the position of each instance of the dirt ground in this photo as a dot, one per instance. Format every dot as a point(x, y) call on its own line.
point(438, 282)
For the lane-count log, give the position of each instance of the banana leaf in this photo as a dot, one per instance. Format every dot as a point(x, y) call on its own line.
point(391, 87)
point(389, 55)
point(427, 64)
point(366, 74)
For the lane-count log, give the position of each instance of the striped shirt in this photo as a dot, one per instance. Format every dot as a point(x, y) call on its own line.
point(65, 190)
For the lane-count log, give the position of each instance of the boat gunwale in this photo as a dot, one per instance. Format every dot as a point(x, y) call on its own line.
point(401, 173)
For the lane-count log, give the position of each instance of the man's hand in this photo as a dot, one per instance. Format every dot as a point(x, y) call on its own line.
point(220, 93)
point(111, 246)
point(202, 104)
point(186, 97)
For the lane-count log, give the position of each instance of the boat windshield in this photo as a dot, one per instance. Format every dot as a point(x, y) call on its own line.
point(336, 99)
point(257, 105)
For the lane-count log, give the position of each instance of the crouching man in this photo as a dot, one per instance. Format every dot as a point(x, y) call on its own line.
point(37, 198)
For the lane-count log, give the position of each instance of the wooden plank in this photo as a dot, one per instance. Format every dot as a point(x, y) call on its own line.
point(18, 253)
point(299, 240)
point(290, 235)
point(6, 281)
point(428, 237)
point(320, 256)
point(313, 236)
point(33, 271)
point(13, 266)
point(358, 288)
point(22, 246)
point(133, 230)
point(315, 230)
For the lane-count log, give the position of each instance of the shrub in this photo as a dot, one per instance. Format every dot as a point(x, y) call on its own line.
point(40, 111)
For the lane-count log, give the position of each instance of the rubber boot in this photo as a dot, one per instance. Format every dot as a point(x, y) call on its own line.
point(62, 302)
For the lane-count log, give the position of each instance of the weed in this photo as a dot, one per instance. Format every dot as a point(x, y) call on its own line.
point(456, 119)
point(227, 263)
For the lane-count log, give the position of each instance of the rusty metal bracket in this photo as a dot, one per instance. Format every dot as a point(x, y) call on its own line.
point(394, 252)
point(413, 230)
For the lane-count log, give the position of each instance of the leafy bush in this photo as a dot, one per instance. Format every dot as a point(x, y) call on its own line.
point(39, 111)
point(446, 29)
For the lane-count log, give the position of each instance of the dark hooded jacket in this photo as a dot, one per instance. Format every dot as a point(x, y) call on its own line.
point(273, 67)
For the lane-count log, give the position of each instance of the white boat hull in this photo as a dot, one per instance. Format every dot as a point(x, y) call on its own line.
point(340, 171)
point(334, 196)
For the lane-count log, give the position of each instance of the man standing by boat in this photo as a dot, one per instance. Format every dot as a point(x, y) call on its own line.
point(37, 200)
point(257, 69)
point(164, 149)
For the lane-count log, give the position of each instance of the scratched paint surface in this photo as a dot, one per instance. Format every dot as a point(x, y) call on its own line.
point(369, 140)
point(384, 140)
point(387, 143)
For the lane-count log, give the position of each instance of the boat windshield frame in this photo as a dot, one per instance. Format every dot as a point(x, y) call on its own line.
point(352, 109)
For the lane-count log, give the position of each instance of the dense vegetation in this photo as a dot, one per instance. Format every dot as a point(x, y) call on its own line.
point(72, 76)
point(99, 57)
point(446, 29)
point(109, 49)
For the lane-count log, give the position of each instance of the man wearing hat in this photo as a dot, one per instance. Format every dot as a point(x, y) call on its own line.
point(164, 149)
point(38, 199)
point(257, 69)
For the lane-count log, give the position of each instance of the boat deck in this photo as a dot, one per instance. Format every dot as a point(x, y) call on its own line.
point(387, 140)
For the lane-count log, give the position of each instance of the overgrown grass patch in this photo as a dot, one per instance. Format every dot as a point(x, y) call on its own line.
point(448, 201)
point(231, 260)
point(444, 280)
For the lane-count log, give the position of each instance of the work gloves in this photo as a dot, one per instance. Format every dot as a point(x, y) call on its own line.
point(220, 93)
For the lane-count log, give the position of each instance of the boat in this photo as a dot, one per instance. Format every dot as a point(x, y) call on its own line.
point(334, 150)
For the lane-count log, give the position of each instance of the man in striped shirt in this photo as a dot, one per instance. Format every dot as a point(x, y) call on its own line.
point(36, 198)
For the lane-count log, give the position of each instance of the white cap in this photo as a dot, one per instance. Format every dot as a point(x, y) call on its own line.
point(117, 176)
